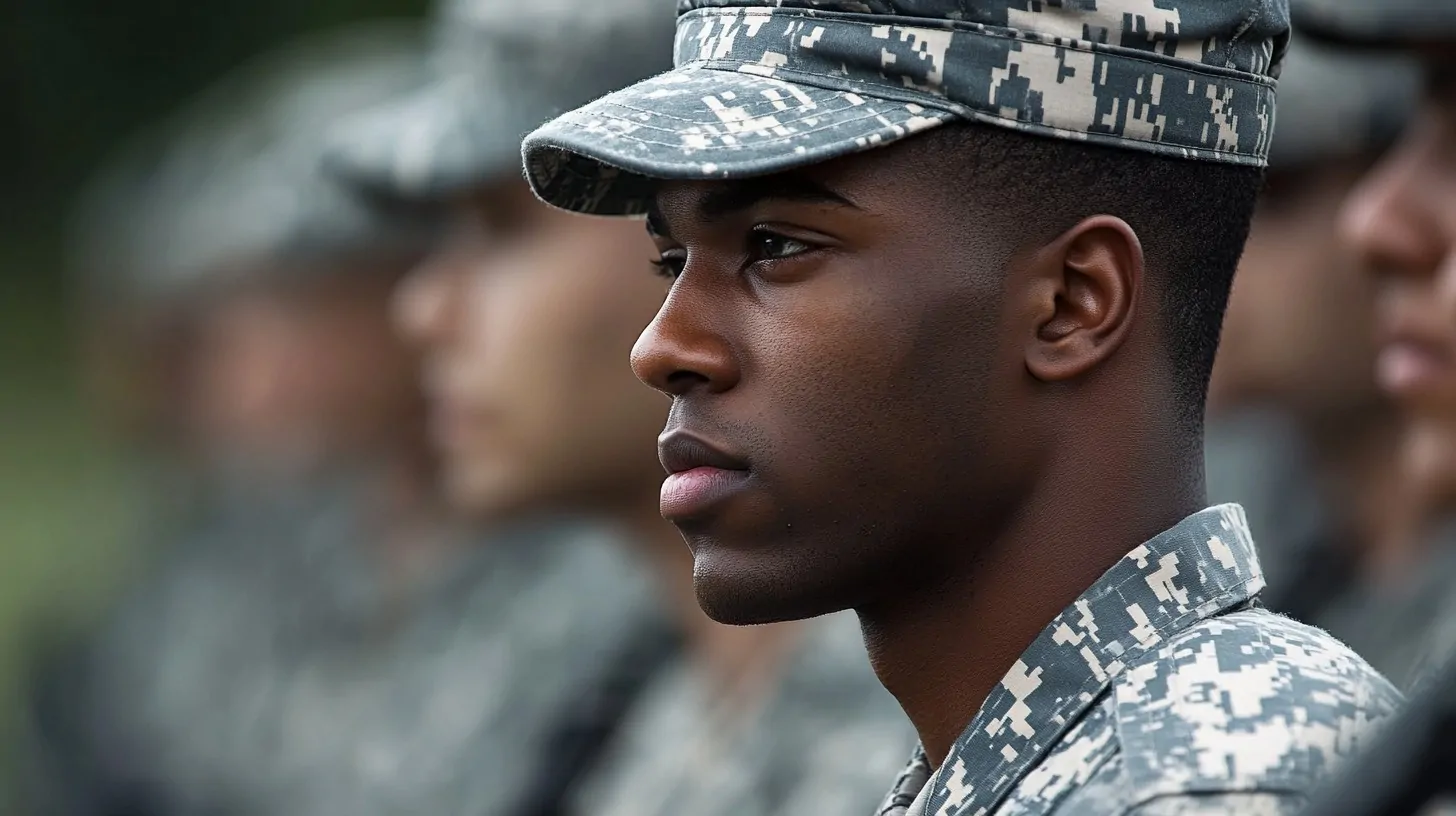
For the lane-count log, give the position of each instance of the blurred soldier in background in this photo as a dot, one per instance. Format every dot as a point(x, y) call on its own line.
point(1401, 222)
point(1299, 434)
point(527, 316)
point(321, 639)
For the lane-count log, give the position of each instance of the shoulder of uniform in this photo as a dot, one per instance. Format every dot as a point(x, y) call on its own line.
point(1247, 702)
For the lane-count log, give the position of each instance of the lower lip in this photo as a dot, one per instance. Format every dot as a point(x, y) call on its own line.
point(1404, 368)
point(693, 492)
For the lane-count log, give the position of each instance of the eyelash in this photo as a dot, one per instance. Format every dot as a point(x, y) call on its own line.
point(758, 235)
point(670, 266)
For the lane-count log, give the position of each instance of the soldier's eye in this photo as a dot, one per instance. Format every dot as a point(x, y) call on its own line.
point(765, 245)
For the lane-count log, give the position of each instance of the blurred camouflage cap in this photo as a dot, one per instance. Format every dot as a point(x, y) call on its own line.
point(762, 86)
point(502, 67)
point(1377, 22)
point(1334, 103)
point(232, 184)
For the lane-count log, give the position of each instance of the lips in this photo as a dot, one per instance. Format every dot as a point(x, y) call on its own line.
point(701, 476)
point(1410, 365)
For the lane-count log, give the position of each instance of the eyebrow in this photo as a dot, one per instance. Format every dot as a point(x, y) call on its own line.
point(736, 196)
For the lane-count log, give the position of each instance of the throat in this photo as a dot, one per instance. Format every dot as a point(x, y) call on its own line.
point(941, 652)
point(941, 648)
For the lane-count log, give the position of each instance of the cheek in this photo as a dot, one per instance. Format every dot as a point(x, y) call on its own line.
point(248, 375)
point(520, 354)
point(547, 343)
point(361, 371)
point(878, 378)
point(615, 418)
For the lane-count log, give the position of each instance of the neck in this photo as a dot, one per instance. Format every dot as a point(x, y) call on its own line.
point(737, 660)
point(1039, 558)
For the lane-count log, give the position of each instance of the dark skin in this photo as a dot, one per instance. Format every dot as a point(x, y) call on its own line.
point(953, 419)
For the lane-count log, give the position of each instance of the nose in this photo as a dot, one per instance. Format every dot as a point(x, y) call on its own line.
point(680, 352)
point(425, 304)
point(1391, 220)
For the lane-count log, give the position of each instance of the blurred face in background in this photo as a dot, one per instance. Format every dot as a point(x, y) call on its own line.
point(1402, 221)
point(526, 319)
point(1297, 336)
point(284, 376)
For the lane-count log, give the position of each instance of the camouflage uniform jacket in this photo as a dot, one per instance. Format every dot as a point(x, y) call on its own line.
point(270, 671)
point(822, 740)
point(1164, 689)
point(1405, 629)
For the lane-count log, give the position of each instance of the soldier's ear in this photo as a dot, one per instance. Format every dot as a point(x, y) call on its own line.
point(1083, 289)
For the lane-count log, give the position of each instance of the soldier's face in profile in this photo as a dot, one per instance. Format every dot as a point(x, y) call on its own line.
point(1299, 297)
point(1402, 221)
point(526, 319)
point(832, 346)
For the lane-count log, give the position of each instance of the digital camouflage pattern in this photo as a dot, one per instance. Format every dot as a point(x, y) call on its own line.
point(1377, 22)
point(500, 69)
point(762, 86)
point(822, 740)
point(230, 186)
point(1163, 689)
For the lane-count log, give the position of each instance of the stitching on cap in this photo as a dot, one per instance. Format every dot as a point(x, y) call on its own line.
point(774, 140)
point(1012, 34)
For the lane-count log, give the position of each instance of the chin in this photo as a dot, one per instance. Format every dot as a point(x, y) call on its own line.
point(762, 585)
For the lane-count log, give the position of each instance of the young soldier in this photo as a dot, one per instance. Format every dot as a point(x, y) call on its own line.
point(947, 286)
point(525, 319)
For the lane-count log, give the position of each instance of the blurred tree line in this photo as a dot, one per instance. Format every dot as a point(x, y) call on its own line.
point(77, 79)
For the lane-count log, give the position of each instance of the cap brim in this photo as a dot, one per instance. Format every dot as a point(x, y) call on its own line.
point(1336, 103)
point(1376, 24)
point(438, 142)
point(697, 123)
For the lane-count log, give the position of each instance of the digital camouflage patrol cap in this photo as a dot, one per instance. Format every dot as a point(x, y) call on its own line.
point(763, 86)
point(1378, 22)
point(230, 186)
point(1337, 103)
point(501, 68)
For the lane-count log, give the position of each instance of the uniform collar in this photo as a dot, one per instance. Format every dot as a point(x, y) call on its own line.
point(1201, 567)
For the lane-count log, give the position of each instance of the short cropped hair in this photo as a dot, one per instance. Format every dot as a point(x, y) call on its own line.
point(1192, 217)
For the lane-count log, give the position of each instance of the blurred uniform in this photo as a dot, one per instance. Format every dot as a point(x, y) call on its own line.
point(1399, 221)
point(306, 646)
point(822, 734)
point(823, 740)
point(1298, 432)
